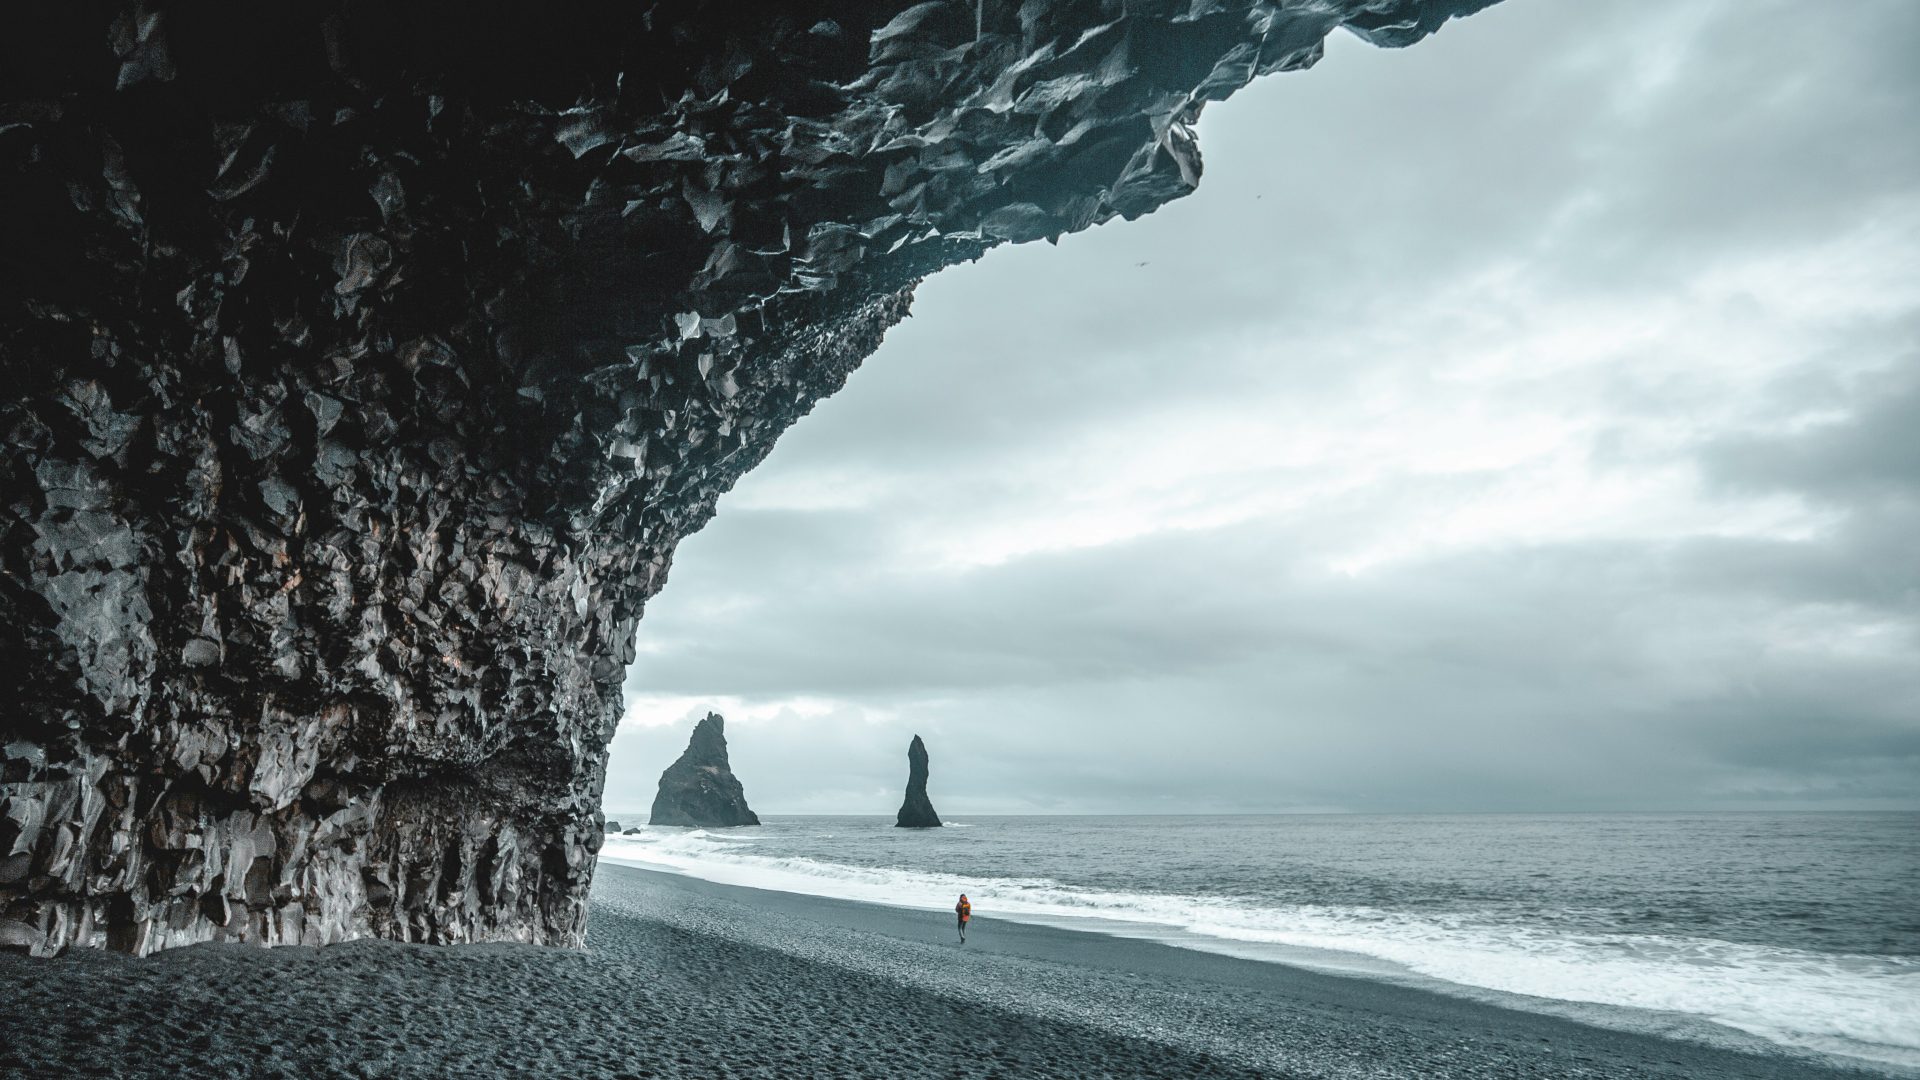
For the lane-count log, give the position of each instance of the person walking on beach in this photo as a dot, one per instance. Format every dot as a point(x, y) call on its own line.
point(964, 909)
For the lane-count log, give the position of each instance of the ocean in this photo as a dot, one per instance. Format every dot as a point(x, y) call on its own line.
point(1801, 929)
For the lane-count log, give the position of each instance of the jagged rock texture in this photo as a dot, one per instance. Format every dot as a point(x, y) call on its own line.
point(916, 811)
point(365, 363)
point(699, 789)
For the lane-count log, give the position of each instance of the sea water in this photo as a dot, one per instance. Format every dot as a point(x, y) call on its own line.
point(1802, 929)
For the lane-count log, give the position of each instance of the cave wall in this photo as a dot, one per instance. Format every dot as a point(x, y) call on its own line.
point(365, 363)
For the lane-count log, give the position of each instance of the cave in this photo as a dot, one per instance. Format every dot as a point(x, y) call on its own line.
point(368, 361)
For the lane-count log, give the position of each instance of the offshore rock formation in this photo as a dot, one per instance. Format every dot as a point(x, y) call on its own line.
point(917, 811)
point(700, 789)
point(365, 363)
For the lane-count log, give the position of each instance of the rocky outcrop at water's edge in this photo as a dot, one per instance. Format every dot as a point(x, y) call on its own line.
point(916, 812)
point(700, 789)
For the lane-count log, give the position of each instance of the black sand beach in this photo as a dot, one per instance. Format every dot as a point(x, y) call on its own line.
point(683, 978)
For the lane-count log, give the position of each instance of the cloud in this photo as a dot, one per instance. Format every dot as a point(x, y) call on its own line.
point(1865, 455)
point(1529, 419)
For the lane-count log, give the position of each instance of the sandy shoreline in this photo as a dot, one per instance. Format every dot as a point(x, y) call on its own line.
point(683, 978)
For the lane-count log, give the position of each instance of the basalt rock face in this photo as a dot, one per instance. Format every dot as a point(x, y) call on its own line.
point(917, 811)
point(364, 364)
point(699, 789)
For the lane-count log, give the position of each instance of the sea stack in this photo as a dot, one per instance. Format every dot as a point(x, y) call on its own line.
point(917, 811)
point(700, 788)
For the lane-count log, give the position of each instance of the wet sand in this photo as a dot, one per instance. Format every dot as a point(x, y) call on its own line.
point(682, 978)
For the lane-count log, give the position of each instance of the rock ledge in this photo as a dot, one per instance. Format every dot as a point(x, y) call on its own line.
point(365, 364)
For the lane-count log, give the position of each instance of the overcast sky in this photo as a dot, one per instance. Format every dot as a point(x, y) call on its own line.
point(1529, 419)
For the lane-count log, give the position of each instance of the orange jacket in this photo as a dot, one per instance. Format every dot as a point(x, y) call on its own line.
point(964, 908)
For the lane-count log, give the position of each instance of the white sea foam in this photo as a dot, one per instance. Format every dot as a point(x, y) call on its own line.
point(1860, 1006)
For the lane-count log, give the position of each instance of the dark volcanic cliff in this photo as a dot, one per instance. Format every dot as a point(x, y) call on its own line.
point(699, 789)
point(365, 363)
point(916, 811)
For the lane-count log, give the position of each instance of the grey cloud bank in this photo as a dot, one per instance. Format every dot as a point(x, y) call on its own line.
point(1524, 421)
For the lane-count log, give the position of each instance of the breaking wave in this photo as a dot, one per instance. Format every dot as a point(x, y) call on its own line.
point(1860, 1006)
